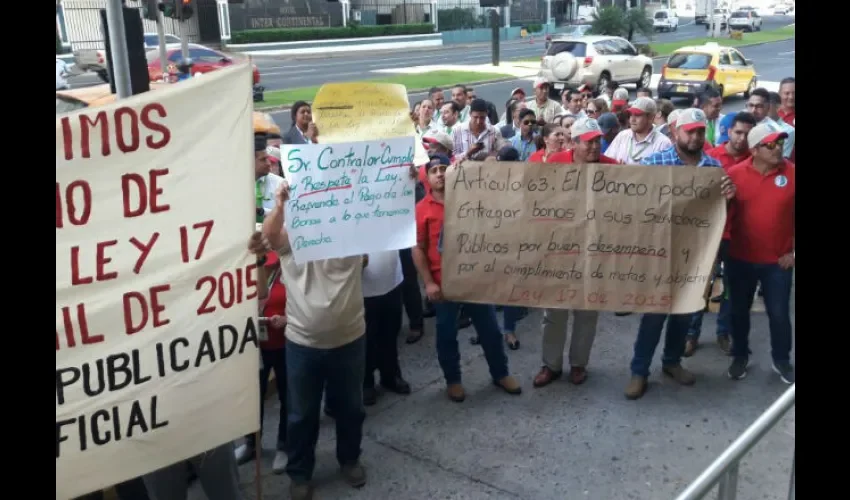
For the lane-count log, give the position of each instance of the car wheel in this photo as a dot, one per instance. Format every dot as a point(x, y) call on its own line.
point(645, 78)
point(750, 88)
point(103, 75)
point(604, 78)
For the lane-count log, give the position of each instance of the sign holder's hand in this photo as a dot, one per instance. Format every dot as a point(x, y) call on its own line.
point(727, 188)
point(787, 261)
point(434, 292)
point(258, 244)
point(282, 194)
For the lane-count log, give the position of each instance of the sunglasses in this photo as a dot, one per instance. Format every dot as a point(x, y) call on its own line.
point(775, 144)
point(527, 122)
point(591, 111)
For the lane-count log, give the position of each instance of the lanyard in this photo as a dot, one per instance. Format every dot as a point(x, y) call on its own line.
point(259, 191)
point(710, 132)
point(632, 142)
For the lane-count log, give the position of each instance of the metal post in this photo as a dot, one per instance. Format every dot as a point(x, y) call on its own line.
point(435, 16)
point(163, 52)
point(184, 42)
point(548, 14)
point(792, 494)
point(508, 14)
point(118, 44)
point(728, 488)
point(494, 27)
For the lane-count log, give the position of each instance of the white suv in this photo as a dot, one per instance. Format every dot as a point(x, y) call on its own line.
point(593, 60)
point(745, 20)
point(665, 19)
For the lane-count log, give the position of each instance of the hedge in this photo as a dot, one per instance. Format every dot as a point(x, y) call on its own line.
point(307, 34)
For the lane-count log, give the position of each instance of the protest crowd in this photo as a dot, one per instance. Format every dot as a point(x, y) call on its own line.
point(330, 328)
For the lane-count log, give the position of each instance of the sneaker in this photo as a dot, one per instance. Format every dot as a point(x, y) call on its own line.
point(245, 454)
point(300, 491)
point(724, 343)
point(679, 374)
point(279, 464)
point(738, 369)
point(636, 387)
point(785, 371)
point(354, 474)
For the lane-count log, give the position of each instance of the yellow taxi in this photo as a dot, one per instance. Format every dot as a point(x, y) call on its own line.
point(690, 70)
point(100, 95)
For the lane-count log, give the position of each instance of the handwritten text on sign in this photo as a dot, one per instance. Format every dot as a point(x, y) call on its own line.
point(155, 291)
point(599, 237)
point(350, 198)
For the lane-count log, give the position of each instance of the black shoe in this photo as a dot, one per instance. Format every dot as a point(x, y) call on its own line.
point(785, 371)
point(370, 396)
point(738, 368)
point(397, 385)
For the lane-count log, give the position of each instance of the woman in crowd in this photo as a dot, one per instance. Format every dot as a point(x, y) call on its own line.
point(550, 142)
point(525, 141)
point(595, 108)
point(425, 118)
point(303, 130)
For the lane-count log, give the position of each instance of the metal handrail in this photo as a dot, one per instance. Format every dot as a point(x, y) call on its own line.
point(724, 469)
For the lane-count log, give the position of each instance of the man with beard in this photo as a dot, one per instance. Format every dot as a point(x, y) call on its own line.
point(688, 150)
point(640, 139)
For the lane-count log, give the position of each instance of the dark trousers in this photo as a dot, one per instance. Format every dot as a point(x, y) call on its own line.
point(133, 489)
point(744, 277)
point(486, 326)
point(411, 295)
point(649, 335)
point(338, 371)
point(383, 322)
point(273, 359)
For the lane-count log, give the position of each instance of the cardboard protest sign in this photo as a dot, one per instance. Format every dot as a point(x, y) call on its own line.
point(156, 297)
point(598, 237)
point(365, 111)
point(350, 198)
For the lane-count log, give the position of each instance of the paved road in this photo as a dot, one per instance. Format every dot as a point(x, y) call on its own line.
point(774, 61)
point(282, 73)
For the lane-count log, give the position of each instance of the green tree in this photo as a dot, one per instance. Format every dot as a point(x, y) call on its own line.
point(637, 21)
point(610, 21)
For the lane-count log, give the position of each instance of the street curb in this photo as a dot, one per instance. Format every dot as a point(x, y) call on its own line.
point(509, 79)
point(411, 91)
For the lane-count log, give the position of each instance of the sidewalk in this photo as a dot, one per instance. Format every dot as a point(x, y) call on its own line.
point(559, 442)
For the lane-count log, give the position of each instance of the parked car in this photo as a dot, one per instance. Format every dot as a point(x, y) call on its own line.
point(576, 30)
point(690, 70)
point(594, 60)
point(204, 60)
point(95, 59)
point(745, 20)
point(100, 95)
point(665, 20)
point(721, 17)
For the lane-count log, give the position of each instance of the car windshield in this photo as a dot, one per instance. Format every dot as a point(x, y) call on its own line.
point(577, 30)
point(689, 60)
point(660, 15)
point(719, 11)
point(575, 48)
point(67, 104)
point(739, 13)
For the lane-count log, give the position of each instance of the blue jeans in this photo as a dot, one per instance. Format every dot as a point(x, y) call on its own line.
point(309, 371)
point(649, 334)
point(724, 315)
point(489, 336)
point(744, 277)
point(512, 315)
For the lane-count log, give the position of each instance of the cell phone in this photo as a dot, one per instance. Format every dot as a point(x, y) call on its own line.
point(480, 144)
point(263, 321)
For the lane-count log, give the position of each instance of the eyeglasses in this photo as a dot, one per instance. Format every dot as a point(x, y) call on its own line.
point(591, 111)
point(778, 143)
point(527, 122)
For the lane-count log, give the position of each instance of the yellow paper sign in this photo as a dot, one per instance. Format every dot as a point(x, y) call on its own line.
point(365, 111)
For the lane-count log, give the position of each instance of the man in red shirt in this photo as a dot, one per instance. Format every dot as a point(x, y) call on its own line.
point(761, 247)
point(587, 139)
point(788, 96)
point(730, 153)
point(427, 257)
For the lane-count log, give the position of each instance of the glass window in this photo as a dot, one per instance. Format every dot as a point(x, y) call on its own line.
point(578, 49)
point(689, 60)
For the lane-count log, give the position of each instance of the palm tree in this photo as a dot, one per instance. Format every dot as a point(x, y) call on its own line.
point(636, 21)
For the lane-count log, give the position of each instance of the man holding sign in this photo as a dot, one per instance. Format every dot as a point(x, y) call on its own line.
point(325, 350)
point(687, 151)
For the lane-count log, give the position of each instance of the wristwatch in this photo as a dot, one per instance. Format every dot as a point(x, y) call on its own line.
point(261, 261)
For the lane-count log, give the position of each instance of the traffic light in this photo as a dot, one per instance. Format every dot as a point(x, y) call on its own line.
point(185, 9)
point(182, 10)
point(149, 8)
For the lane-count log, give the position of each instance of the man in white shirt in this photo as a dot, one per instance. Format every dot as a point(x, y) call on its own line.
point(641, 139)
point(475, 139)
point(459, 97)
point(325, 350)
point(545, 109)
point(382, 280)
point(573, 103)
point(267, 183)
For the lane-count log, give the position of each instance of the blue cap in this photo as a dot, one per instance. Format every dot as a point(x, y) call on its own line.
point(508, 153)
point(723, 128)
point(439, 159)
point(607, 121)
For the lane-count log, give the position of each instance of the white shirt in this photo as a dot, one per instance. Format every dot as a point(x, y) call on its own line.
point(271, 183)
point(382, 274)
point(626, 150)
point(61, 72)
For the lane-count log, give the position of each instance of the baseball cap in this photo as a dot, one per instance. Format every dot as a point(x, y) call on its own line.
point(765, 133)
point(439, 137)
point(539, 82)
point(274, 153)
point(673, 116)
point(584, 88)
point(607, 122)
point(518, 89)
point(508, 153)
point(620, 97)
point(643, 105)
point(439, 159)
point(690, 119)
point(585, 129)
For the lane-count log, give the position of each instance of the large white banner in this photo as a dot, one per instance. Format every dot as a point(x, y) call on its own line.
point(349, 198)
point(156, 298)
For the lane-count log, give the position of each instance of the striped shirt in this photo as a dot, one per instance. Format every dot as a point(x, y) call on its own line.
point(464, 139)
point(625, 149)
point(670, 156)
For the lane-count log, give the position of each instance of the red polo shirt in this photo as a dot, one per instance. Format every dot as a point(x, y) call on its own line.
point(565, 157)
point(726, 161)
point(763, 222)
point(429, 223)
point(788, 116)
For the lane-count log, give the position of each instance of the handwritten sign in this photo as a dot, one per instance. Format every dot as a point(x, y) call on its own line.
point(598, 237)
point(349, 199)
point(365, 111)
point(156, 297)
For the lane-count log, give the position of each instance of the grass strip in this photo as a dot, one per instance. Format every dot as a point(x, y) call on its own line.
point(279, 98)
